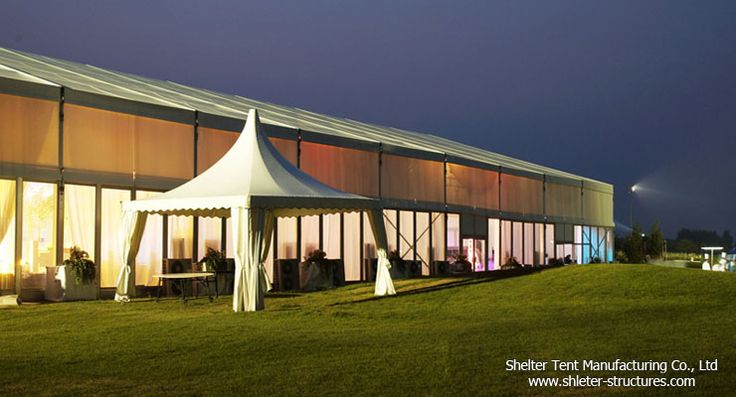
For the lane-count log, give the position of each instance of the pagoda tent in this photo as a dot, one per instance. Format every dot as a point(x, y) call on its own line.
point(253, 185)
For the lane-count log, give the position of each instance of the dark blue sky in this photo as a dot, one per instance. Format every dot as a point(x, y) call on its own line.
point(621, 91)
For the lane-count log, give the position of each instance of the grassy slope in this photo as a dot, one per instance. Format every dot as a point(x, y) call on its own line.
point(438, 341)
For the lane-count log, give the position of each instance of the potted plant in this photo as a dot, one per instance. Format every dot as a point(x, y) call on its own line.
point(213, 261)
point(315, 271)
point(76, 279)
point(81, 268)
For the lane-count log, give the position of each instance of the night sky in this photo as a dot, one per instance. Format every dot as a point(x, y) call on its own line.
point(621, 91)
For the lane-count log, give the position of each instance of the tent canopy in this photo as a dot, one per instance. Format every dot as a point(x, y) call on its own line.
point(252, 174)
point(253, 184)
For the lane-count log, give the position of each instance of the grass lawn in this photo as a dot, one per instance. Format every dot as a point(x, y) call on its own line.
point(438, 337)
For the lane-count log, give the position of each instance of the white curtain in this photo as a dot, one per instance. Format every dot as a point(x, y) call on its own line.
point(7, 206)
point(110, 237)
point(251, 237)
point(132, 231)
point(351, 251)
point(384, 284)
point(79, 218)
point(7, 233)
point(209, 235)
point(150, 253)
point(181, 232)
point(331, 235)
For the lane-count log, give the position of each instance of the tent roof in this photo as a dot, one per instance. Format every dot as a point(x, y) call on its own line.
point(252, 174)
point(92, 80)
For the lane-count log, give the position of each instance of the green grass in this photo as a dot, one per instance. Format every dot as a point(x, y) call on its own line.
point(446, 337)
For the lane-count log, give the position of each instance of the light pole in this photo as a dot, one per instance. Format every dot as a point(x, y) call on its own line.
point(664, 249)
point(631, 205)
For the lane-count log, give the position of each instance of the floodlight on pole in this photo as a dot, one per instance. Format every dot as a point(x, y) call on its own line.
point(632, 190)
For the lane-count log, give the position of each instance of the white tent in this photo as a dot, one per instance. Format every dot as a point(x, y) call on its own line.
point(253, 184)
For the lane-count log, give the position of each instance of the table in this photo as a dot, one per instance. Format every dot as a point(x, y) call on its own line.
point(199, 277)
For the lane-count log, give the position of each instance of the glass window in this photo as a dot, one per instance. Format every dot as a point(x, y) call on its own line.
point(438, 236)
point(268, 263)
point(578, 234)
point(565, 250)
point(369, 242)
point(406, 239)
point(539, 244)
point(528, 243)
point(181, 233)
point(390, 219)
point(286, 239)
point(351, 253)
point(331, 235)
point(597, 248)
point(209, 235)
point(578, 239)
point(369, 246)
point(505, 242)
point(518, 241)
point(310, 235)
point(475, 251)
point(150, 254)
point(7, 234)
point(423, 245)
point(453, 236)
point(600, 235)
point(79, 219)
point(228, 238)
point(549, 251)
point(39, 232)
point(112, 218)
point(609, 245)
point(494, 244)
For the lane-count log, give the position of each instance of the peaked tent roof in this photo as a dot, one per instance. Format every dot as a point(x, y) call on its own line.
point(252, 174)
